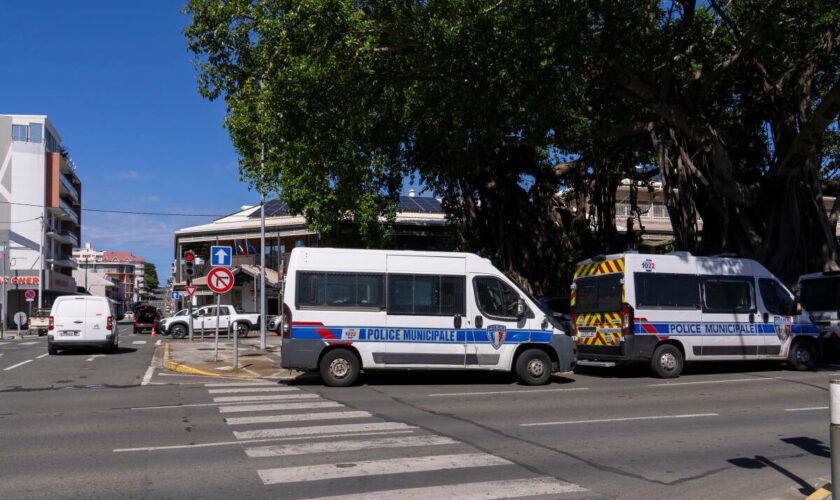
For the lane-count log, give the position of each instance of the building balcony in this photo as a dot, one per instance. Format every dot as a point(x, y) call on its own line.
point(63, 237)
point(66, 189)
point(61, 262)
point(68, 210)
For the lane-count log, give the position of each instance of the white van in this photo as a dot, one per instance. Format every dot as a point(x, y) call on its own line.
point(820, 296)
point(667, 309)
point(350, 310)
point(82, 321)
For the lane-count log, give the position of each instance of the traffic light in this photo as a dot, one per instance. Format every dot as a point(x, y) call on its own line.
point(189, 264)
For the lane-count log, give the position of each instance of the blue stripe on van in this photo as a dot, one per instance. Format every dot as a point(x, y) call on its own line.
point(421, 335)
point(718, 328)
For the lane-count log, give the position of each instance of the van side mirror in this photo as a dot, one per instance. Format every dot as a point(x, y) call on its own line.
point(520, 308)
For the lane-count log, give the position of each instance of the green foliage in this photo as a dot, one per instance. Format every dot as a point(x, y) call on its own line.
point(151, 276)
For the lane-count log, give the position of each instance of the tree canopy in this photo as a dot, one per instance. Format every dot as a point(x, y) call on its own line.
point(151, 276)
point(496, 106)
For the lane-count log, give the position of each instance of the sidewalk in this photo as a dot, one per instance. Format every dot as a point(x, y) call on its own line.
point(197, 358)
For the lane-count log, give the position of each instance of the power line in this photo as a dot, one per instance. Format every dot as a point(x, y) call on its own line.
point(124, 212)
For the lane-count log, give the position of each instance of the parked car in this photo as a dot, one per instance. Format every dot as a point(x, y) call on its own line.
point(204, 321)
point(82, 321)
point(163, 325)
point(146, 318)
point(561, 309)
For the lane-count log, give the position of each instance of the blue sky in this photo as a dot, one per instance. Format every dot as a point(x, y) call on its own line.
point(117, 82)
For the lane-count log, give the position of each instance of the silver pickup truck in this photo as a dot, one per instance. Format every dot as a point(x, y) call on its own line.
point(204, 321)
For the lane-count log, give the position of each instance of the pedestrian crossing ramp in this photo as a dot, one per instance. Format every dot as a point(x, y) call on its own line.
point(307, 447)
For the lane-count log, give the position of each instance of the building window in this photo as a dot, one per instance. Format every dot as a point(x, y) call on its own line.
point(622, 209)
point(19, 133)
point(659, 211)
point(36, 132)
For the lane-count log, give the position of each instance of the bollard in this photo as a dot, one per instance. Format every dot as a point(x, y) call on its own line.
point(834, 405)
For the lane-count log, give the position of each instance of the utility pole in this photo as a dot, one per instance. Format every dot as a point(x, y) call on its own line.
point(262, 250)
point(41, 279)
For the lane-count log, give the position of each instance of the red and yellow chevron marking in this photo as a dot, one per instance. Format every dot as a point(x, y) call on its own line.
point(601, 321)
point(596, 268)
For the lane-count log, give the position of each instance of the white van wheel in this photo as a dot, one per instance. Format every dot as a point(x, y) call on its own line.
point(667, 361)
point(803, 355)
point(533, 367)
point(339, 368)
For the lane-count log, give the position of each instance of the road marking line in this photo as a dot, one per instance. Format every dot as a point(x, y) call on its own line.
point(807, 409)
point(28, 343)
point(378, 467)
point(244, 383)
point(505, 392)
point(339, 446)
point(274, 397)
point(42, 355)
point(760, 379)
point(280, 406)
point(515, 488)
point(296, 396)
point(321, 429)
point(94, 357)
point(231, 443)
point(233, 390)
point(626, 419)
point(138, 342)
point(159, 342)
point(297, 417)
point(147, 378)
point(19, 364)
point(1, 354)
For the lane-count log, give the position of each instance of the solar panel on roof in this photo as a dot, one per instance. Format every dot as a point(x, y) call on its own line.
point(272, 208)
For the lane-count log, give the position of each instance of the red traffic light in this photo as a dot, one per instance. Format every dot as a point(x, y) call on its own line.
point(189, 256)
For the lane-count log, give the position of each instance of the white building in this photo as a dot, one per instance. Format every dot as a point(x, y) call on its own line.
point(40, 207)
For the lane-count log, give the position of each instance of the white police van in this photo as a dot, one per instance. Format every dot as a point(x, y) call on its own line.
point(667, 309)
point(820, 296)
point(348, 310)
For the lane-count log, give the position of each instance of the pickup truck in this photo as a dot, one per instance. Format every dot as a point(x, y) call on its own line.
point(204, 321)
point(40, 321)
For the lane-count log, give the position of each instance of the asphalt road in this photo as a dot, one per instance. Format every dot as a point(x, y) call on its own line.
point(84, 426)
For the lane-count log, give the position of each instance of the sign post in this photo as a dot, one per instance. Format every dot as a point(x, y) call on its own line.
point(190, 290)
point(220, 280)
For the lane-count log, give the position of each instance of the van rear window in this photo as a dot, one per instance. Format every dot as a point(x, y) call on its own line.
point(598, 293)
point(667, 291)
point(820, 294)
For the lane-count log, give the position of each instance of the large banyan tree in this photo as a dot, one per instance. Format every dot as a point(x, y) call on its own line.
point(495, 106)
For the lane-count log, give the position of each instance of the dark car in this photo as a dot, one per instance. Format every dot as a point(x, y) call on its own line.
point(146, 318)
point(561, 309)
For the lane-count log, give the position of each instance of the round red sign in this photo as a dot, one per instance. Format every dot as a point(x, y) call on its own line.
point(220, 279)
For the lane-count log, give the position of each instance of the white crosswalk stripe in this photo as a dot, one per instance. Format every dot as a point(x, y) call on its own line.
point(280, 406)
point(28, 343)
point(236, 390)
point(273, 397)
point(297, 417)
point(348, 445)
point(244, 383)
point(320, 429)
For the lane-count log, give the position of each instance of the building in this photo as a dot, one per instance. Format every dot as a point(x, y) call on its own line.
point(99, 284)
point(40, 210)
point(420, 224)
point(120, 267)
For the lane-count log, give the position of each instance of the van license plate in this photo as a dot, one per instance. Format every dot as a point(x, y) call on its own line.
point(71, 333)
point(586, 333)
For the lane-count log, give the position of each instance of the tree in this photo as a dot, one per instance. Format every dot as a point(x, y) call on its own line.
point(151, 276)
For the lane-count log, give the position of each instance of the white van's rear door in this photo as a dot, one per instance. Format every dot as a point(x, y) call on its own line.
point(96, 320)
point(69, 318)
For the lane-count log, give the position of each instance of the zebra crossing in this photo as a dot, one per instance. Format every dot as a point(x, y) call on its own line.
point(322, 446)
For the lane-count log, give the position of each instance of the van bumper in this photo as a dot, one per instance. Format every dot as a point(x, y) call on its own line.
point(67, 343)
point(634, 348)
point(566, 350)
point(301, 354)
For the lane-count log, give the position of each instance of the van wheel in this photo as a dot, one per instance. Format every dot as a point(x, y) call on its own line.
point(802, 355)
point(179, 332)
point(339, 368)
point(52, 351)
point(667, 361)
point(533, 367)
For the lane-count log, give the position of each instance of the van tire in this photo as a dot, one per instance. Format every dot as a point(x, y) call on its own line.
point(178, 331)
point(667, 361)
point(339, 368)
point(533, 367)
point(52, 351)
point(802, 355)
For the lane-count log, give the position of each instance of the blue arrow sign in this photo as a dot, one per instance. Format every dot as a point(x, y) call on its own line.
point(174, 295)
point(220, 256)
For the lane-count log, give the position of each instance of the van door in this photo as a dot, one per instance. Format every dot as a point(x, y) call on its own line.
point(426, 324)
point(96, 319)
point(729, 317)
point(69, 318)
point(776, 315)
point(495, 321)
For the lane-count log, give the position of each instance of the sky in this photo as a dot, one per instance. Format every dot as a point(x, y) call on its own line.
point(118, 84)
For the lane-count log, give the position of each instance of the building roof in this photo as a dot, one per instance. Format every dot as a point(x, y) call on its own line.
point(120, 256)
point(425, 204)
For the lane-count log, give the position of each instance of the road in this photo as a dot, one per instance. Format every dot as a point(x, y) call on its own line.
point(84, 426)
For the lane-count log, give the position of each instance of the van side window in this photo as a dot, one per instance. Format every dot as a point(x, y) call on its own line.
point(776, 299)
point(820, 294)
point(426, 294)
point(667, 291)
point(495, 298)
point(317, 289)
point(728, 295)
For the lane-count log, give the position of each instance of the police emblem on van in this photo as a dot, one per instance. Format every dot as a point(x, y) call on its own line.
point(496, 335)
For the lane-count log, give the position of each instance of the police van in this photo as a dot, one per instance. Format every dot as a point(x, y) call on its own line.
point(668, 309)
point(820, 296)
point(348, 310)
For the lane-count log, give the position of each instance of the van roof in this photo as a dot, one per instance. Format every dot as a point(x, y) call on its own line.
point(418, 253)
point(682, 256)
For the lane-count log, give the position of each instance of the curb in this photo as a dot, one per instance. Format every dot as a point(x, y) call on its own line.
point(182, 368)
point(821, 493)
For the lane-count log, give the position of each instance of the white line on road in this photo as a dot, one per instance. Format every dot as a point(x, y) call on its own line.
point(42, 355)
point(244, 383)
point(164, 407)
point(147, 378)
point(626, 419)
point(231, 443)
point(138, 342)
point(754, 379)
point(94, 357)
point(807, 409)
point(19, 364)
point(344, 446)
point(379, 467)
point(515, 488)
point(159, 342)
point(233, 390)
point(321, 429)
point(506, 392)
point(274, 397)
point(28, 343)
point(297, 417)
point(280, 406)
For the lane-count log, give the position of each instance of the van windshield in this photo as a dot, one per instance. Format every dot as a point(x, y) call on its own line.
point(598, 293)
point(820, 294)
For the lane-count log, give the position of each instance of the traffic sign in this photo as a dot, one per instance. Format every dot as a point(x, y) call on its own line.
point(191, 290)
point(220, 279)
point(30, 295)
point(173, 295)
point(20, 319)
point(220, 256)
